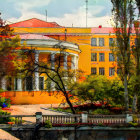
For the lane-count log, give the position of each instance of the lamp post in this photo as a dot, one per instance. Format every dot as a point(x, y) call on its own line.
point(65, 34)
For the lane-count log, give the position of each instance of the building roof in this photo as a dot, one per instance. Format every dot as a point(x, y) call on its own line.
point(102, 30)
point(34, 22)
point(105, 30)
point(37, 40)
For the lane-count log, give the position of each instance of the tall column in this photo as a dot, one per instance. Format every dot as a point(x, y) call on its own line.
point(52, 60)
point(65, 62)
point(77, 62)
point(19, 84)
point(36, 86)
point(53, 67)
point(3, 83)
point(73, 62)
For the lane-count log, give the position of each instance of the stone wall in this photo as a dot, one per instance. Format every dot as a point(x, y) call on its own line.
point(82, 133)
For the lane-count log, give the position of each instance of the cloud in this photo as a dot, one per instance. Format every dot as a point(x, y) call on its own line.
point(77, 18)
point(27, 5)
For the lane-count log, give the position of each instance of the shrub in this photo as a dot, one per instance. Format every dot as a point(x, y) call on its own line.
point(6, 119)
point(5, 101)
point(48, 124)
point(133, 124)
point(101, 111)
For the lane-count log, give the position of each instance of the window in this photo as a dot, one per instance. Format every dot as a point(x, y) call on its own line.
point(29, 83)
point(41, 83)
point(101, 57)
point(101, 41)
point(118, 70)
point(111, 41)
point(101, 71)
point(93, 71)
point(111, 57)
point(93, 56)
point(111, 71)
point(93, 42)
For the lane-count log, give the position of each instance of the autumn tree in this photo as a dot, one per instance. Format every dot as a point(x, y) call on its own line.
point(123, 17)
point(8, 54)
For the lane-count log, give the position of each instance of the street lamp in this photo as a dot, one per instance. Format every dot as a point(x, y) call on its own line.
point(65, 34)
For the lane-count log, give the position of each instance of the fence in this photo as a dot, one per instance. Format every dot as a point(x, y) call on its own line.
point(77, 118)
point(115, 119)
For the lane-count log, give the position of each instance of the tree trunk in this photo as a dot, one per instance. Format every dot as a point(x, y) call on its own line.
point(126, 94)
point(69, 102)
point(134, 104)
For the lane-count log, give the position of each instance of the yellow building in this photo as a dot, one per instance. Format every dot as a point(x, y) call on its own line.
point(88, 48)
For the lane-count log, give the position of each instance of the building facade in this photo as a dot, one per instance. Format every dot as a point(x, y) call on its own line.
point(88, 48)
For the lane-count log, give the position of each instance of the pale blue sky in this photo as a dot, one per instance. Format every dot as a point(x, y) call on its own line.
point(64, 12)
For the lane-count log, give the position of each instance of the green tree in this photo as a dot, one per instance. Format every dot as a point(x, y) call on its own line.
point(136, 56)
point(58, 78)
point(123, 16)
point(99, 88)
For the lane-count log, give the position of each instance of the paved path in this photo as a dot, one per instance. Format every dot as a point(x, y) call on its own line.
point(6, 136)
point(31, 110)
point(26, 110)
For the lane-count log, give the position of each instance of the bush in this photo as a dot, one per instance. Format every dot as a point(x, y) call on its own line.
point(101, 112)
point(5, 102)
point(6, 119)
point(133, 124)
point(48, 124)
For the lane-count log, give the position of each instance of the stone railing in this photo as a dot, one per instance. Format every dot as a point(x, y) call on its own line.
point(108, 119)
point(77, 118)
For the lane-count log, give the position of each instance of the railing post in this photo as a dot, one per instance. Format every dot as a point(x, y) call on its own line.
point(85, 117)
point(38, 117)
point(129, 118)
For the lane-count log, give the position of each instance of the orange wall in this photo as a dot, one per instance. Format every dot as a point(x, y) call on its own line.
point(33, 97)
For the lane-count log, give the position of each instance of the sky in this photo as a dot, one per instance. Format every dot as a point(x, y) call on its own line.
point(65, 12)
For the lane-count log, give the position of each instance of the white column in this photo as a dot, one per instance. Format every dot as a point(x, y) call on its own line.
point(77, 59)
point(73, 62)
point(36, 86)
point(19, 84)
point(53, 67)
point(97, 39)
point(52, 60)
point(3, 83)
point(65, 62)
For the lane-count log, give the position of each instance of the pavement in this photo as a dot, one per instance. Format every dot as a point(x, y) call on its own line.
point(27, 110)
point(32, 109)
point(6, 136)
